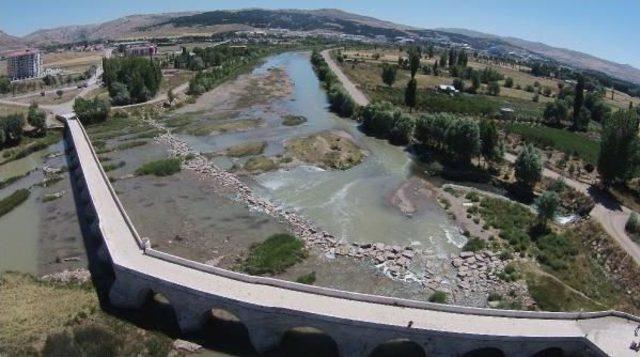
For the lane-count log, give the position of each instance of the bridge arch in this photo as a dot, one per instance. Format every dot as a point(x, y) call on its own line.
point(485, 352)
point(399, 347)
point(308, 341)
point(550, 352)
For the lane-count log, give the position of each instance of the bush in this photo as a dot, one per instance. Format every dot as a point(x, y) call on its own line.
point(439, 297)
point(308, 279)
point(555, 251)
point(510, 273)
point(633, 223)
point(474, 245)
point(472, 196)
point(163, 167)
point(274, 255)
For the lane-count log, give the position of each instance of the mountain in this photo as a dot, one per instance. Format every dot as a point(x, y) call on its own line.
point(8, 42)
point(561, 55)
point(211, 22)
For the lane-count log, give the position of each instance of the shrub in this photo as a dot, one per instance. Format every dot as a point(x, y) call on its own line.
point(439, 297)
point(474, 245)
point(472, 196)
point(163, 167)
point(308, 279)
point(91, 111)
point(274, 255)
point(633, 223)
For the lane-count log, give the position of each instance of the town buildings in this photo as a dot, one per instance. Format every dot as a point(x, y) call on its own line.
point(24, 64)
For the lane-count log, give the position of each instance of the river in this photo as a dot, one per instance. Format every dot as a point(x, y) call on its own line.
point(352, 204)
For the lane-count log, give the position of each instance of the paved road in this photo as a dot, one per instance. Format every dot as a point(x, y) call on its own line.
point(355, 93)
point(607, 211)
point(611, 334)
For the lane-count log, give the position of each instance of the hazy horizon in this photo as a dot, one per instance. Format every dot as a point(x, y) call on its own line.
point(567, 26)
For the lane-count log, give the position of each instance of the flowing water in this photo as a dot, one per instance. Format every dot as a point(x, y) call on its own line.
point(352, 203)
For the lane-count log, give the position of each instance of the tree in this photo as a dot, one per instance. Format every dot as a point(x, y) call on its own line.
point(414, 60)
point(37, 118)
point(12, 125)
point(410, 93)
point(443, 59)
point(453, 59)
point(490, 140)
point(463, 139)
point(618, 160)
point(547, 205)
point(430, 51)
point(389, 74)
point(493, 88)
point(458, 84)
point(578, 101)
point(91, 111)
point(508, 82)
point(436, 72)
point(528, 167)
point(59, 93)
point(170, 96)
point(402, 130)
point(5, 85)
point(475, 82)
point(555, 112)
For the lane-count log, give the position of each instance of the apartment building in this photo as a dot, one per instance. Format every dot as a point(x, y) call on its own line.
point(24, 64)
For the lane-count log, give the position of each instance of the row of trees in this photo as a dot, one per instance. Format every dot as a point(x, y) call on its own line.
point(383, 121)
point(131, 79)
point(201, 58)
point(461, 137)
point(340, 101)
point(222, 66)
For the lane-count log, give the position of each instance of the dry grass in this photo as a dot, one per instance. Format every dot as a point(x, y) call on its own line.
point(72, 61)
point(6, 109)
point(29, 310)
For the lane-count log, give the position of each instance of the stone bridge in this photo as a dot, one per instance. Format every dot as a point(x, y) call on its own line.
point(357, 323)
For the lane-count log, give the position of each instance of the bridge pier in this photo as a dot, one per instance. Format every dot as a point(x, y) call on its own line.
point(127, 293)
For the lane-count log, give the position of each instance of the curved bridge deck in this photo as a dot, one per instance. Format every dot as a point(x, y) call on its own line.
point(357, 322)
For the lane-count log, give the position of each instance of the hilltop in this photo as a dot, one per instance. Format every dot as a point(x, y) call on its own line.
point(219, 21)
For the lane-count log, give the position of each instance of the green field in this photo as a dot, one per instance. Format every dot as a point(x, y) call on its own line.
point(559, 139)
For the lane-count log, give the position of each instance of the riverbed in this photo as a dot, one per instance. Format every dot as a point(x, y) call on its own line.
point(351, 204)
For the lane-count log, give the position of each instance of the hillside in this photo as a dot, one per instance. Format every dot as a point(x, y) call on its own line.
point(210, 22)
point(8, 42)
point(562, 55)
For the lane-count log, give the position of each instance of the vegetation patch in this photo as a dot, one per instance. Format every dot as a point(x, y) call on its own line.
point(65, 319)
point(206, 128)
point(328, 150)
point(12, 201)
point(439, 297)
point(9, 180)
point(113, 166)
point(293, 120)
point(510, 218)
point(274, 255)
point(308, 279)
point(260, 163)
point(551, 295)
point(163, 167)
point(248, 149)
point(566, 141)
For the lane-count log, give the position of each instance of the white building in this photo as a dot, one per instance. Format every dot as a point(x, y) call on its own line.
point(24, 64)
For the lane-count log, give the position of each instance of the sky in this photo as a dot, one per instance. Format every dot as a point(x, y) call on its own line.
point(605, 28)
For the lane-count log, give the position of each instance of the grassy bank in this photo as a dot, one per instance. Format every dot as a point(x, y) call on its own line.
point(566, 253)
point(30, 145)
point(12, 201)
point(274, 255)
point(563, 140)
point(162, 167)
point(65, 319)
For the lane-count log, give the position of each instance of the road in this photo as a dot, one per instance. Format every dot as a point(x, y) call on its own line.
point(349, 86)
point(607, 211)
